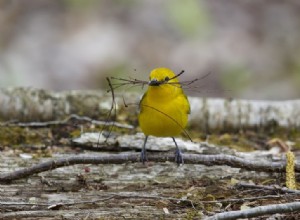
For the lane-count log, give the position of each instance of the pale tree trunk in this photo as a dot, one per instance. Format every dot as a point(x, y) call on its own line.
point(209, 114)
point(222, 114)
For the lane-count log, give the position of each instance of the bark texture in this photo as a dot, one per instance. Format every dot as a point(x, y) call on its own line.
point(28, 104)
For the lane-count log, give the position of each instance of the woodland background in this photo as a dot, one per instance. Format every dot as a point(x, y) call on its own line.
point(64, 156)
point(251, 48)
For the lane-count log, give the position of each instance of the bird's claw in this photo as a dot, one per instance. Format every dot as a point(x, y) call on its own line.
point(178, 157)
point(143, 156)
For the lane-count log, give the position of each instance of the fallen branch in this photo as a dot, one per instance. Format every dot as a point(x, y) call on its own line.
point(65, 122)
point(134, 196)
point(29, 104)
point(258, 211)
point(109, 197)
point(256, 198)
point(274, 188)
point(208, 160)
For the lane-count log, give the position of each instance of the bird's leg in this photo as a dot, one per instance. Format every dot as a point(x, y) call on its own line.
point(143, 152)
point(178, 154)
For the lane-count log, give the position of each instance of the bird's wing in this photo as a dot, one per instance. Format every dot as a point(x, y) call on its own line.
point(140, 103)
point(186, 103)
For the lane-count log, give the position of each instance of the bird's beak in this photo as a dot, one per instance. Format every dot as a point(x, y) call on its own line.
point(154, 82)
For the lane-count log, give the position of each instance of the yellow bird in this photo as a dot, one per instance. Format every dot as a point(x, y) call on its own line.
point(164, 109)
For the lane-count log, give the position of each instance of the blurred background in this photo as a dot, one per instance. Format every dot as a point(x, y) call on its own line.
point(251, 48)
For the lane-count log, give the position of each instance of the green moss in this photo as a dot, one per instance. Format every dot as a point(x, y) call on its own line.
point(234, 141)
point(42, 153)
point(11, 136)
point(225, 139)
point(296, 145)
point(75, 133)
point(193, 214)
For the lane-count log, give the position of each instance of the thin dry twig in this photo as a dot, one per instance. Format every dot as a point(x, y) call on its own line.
point(80, 202)
point(113, 107)
point(275, 188)
point(239, 200)
point(142, 83)
point(108, 197)
point(258, 211)
point(154, 197)
point(65, 122)
point(208, 160)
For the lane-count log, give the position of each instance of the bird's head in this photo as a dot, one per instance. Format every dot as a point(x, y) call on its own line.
point(162, 76)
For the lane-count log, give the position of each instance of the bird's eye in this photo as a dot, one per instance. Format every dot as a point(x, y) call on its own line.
point(167, 78)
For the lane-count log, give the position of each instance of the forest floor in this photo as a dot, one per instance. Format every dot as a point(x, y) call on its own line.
point(135, 190)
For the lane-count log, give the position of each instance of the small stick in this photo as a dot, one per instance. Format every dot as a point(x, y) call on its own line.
point(208, 160)
point(64, 122)
point(258, 211)
point(262, 187)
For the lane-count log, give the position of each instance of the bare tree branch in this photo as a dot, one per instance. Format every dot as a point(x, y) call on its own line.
point(256, 198)
point(208, 160)
point(64, 122)
point(269, 188)
point(258, 211)
point(109, 197)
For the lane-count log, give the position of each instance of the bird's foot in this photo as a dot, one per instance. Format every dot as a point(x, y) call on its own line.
point(178, 157)
point(143, 156)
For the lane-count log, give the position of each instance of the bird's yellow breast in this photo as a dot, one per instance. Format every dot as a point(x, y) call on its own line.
point(164, 108)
